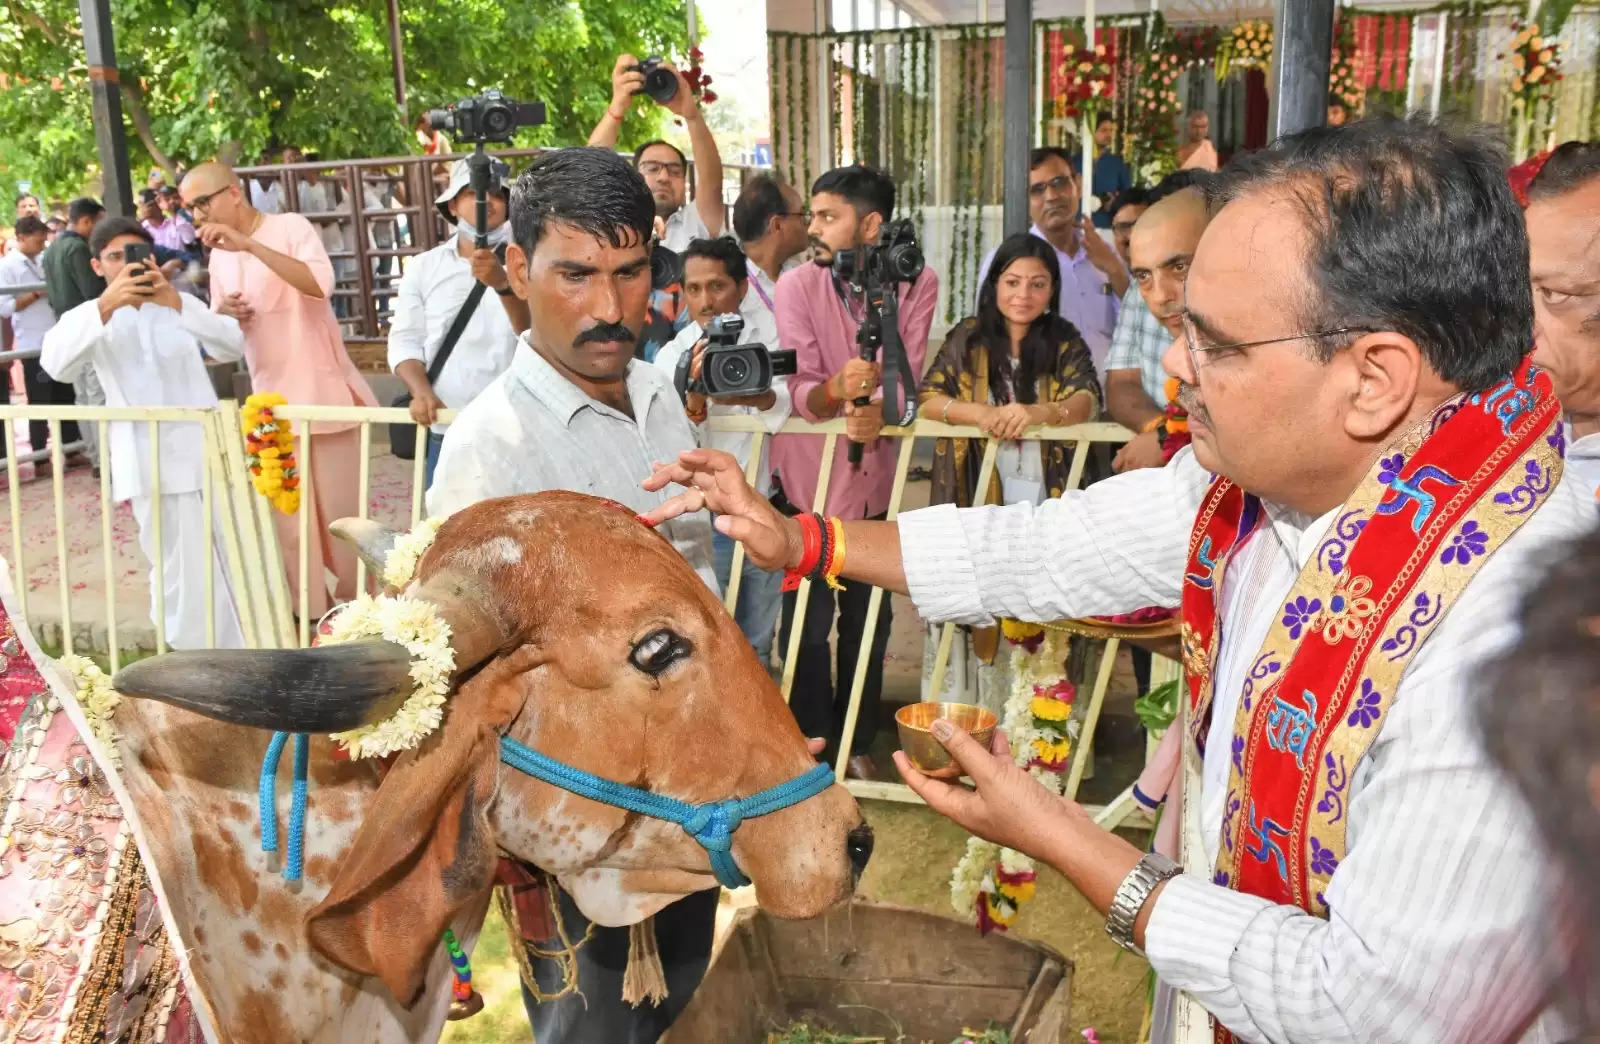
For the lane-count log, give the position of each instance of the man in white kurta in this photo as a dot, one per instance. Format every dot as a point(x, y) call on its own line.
point(1318, 334)
point(145, 339)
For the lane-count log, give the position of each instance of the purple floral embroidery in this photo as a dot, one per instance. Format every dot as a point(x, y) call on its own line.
point(1389, 468)
point(1333, 798)
point(1366, 709)
point(1523, 497)
point(1332, 553)
point(1221, 877)
point(1323, 861)
point(1558, 439)
point(1467, 544)
point(1300, 613)
point(1238, 752)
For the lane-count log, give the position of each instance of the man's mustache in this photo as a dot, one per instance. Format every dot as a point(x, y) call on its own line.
point(817, 244)
point(605, 332)
point(1187, 400)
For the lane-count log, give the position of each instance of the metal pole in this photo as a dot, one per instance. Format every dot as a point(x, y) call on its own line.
point(109, 135)
point(397, 56)
point(1019, 33)
point(1302, 43)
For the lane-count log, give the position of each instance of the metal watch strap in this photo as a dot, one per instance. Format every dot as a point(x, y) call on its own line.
point(1133, 893)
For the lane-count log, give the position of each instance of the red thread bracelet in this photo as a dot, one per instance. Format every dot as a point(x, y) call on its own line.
point(810, 551)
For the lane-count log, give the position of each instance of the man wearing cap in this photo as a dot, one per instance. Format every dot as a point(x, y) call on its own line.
point(437, 288)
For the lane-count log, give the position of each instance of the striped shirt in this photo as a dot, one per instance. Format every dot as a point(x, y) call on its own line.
point(532, 429)
point(1138, 343)
point(1435, 925)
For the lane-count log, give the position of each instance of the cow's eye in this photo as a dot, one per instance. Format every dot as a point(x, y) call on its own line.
point(659, 650)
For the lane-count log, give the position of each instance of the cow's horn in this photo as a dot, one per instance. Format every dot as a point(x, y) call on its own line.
point(372, 540)
point(328, 688)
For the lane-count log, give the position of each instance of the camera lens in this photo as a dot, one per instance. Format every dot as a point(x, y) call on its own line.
point(660, 84)
point(497, 121)
point(732, 372)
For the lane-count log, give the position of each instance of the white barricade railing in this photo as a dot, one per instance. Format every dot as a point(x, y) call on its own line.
point(272, 615)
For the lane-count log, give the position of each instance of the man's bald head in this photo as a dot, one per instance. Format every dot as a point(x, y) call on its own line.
point(1159, 252)
point(212, 193)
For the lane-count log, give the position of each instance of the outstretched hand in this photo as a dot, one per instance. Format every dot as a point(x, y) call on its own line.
point(714, 481)
point(1006, 805)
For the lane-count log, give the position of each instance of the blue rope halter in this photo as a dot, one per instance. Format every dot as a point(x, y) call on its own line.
point(712, 823)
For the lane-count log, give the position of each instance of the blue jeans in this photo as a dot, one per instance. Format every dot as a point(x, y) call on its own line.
point(759, 597)
point(435, 443)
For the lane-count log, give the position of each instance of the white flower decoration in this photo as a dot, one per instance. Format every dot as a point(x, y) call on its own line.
point(416, 625)
point(400, 564)
point(97, 698)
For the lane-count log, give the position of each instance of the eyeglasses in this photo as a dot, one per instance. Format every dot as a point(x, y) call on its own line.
point(204, 202)
point(1191, 340)
point(1059, 183)
point(671, 170)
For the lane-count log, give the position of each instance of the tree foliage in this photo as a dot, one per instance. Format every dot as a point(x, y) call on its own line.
point(203, 78)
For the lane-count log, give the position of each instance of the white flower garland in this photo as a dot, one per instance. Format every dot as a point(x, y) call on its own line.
point(97, 698)
point(414, 624)
point(973, 878)
point(400, 564)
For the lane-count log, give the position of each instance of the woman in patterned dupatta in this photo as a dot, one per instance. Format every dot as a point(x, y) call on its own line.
point(1015, 365)
point(83, 953)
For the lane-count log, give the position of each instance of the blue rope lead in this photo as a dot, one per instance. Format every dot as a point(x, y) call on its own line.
point(712, 823)
point(267, 800)
point(292, 864)
point(267, 792)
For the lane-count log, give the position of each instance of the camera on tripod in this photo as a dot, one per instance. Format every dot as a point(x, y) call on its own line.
point(659, 81)
point(491, 116)
point(894, 258)
point(728, 368)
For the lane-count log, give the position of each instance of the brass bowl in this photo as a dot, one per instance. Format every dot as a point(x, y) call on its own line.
point(915, 721)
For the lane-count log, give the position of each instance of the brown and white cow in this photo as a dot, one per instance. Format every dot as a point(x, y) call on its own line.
point(578, 632)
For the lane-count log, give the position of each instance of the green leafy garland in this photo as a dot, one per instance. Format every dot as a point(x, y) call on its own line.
point(925, 162)
point(802, 172)
point(963, 157)
point(836, 66)
point(772, 101)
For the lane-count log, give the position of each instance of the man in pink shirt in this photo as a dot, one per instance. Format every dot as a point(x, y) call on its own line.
point(271, 272)
point(818, 317)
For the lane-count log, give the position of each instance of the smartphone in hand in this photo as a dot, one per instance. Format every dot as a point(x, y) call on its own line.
point(138, 253)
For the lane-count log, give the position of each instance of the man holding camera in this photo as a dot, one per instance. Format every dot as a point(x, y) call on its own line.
point(445, 342)
point(576, 411)
point(819, 315)
point(664, 167)
point(145, 339)
point(716, 281)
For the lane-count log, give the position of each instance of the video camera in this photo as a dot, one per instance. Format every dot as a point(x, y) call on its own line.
point(729, 368)
point(491, 116)
point(876, 271)
point(894, 258)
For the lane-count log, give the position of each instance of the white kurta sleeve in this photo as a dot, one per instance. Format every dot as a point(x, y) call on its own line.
point(219, 335)
point(1118, 546)
point(70, 344)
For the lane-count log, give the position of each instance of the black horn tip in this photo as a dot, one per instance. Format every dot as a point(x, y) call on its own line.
point(329, 688)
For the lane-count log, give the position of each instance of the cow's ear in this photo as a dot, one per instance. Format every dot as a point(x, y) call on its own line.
point(424, 851)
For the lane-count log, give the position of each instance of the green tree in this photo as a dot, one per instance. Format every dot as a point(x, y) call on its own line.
point(229, 78)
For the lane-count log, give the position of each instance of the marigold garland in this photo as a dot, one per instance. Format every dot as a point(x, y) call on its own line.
point(1535, 59)
point(269, 452)
point(1248, 46)
point(410, 622)
point(97, 699)
point(992, 883)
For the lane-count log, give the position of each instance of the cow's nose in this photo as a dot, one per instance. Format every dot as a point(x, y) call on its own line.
point(858, 845)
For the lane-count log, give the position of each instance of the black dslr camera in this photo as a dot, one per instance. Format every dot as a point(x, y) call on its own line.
point(491, 116)
point(659, 83)
point(729, 368)
point(894, 258)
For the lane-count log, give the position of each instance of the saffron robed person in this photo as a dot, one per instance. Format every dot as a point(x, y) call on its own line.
point(1375, 469)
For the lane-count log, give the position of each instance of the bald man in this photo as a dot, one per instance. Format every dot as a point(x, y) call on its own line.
point(1163, 242)
point(271, 272)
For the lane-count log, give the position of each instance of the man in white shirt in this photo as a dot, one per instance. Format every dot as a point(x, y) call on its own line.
point(30, 314)
point(769, 217)
point(716, 281)
point(434, 288)
point(145, 339)
point(1564, 244)
point(576, 411)
point(663, 165)
point(1349, 359)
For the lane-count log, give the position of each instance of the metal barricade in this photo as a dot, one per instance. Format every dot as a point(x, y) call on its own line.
point(272, 615)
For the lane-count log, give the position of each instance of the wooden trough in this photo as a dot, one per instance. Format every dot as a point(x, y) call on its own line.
point(876, 971)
